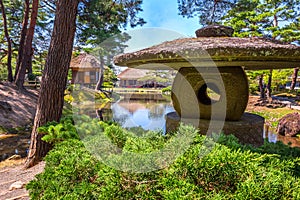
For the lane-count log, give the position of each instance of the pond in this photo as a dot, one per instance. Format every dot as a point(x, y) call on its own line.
point(150, 115)
point(147, 114)
point(271, 136)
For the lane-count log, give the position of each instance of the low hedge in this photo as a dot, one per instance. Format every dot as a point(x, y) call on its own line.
point(228, 171)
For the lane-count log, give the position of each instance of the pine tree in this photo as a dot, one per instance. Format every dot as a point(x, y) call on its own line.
point(9, 51)
point(26, 61)
point(265, 19)
point(208, 11)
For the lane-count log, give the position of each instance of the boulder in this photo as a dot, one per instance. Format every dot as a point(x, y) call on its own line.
point(289, 125)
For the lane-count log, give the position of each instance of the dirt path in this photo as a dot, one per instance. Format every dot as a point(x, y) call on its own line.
point(17, 108)
point(16, 175)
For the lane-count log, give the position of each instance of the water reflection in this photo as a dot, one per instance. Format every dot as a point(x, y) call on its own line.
point(269, 134)
point(149, 115)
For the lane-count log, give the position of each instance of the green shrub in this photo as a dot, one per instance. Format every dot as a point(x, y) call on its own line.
point(57, 132)
point(229, 171)
point(253, 88)
point(167, 89)
point(31, 77)
point(72, 173)
point(108, 85)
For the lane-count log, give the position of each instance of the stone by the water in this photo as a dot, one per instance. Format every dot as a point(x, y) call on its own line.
point(289, 125)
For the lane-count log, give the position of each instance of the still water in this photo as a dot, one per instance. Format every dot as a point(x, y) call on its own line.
point(270, 135)
point(149, 115)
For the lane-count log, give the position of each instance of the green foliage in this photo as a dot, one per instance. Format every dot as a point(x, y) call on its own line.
point(57, 132)
point(109, 78)
point(158, 76)
point(209, 12)
point(68, 98)
point(31, 77)
point(273, 117)
point(99, 20)
point(14, 13)
point(279, 78)
point(263, 18)
point(71, 173)
point(167, 89)
point(229, 171)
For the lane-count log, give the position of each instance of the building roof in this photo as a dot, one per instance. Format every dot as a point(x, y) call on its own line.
point(132, 74)
point(85, 61)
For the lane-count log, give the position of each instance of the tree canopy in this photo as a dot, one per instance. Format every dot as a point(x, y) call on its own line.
point(272, 19)
point(99, 20)
point(209, 12)
point(96, 21)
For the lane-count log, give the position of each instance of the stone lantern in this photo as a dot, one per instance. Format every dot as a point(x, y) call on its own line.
point(215, 61)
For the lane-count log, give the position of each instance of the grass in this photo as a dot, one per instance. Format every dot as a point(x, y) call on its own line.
point(272, 116)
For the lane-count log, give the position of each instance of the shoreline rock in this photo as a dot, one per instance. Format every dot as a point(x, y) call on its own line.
point(289, 125)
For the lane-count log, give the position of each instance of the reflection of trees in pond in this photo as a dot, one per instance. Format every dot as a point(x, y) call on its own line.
point(104, 114)
point(148, 115)
point(132, 106)
point(157, 111)
point(121, 119)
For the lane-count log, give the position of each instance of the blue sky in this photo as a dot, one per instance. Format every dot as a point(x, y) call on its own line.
point(163, 24)
point(164, 14)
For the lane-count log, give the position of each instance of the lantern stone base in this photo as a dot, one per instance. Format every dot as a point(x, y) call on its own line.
point(249, 129)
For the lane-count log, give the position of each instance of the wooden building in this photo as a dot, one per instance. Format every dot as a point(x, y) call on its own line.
point(129, 77)
point(85, 69)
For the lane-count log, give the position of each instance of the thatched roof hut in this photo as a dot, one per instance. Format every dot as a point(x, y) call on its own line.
point(129, 77)
point(85, 69)
point(84, 62)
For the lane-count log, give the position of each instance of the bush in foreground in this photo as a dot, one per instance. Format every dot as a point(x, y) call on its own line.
point(229, 171)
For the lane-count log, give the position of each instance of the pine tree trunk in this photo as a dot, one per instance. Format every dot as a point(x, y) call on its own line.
point(261, 86)
point(99, 82)
point(294, 78)
point(51, 98)
point(269, 85)
point(23, 36)
point(9, 50)
point(27, 58)
point(101, 75)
